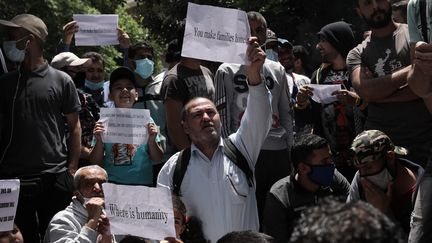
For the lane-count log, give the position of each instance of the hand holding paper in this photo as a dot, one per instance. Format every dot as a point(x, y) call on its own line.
point(96, 29)
point(323, 93)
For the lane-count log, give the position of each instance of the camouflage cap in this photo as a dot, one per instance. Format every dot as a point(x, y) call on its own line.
point(371, 145)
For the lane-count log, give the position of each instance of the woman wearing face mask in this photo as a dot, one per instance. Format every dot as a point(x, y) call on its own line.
point(313, 177)
point(383, 179)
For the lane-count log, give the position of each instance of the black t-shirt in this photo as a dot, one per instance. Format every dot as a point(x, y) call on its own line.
point(38, 143)
point(183, 84)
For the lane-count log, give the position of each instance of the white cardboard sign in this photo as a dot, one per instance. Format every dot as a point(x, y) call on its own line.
point(96, 29)
point(139, 210)
point(216, 34)
point(9, 193)
point(123, 125)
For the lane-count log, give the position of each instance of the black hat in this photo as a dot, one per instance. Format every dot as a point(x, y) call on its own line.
point(340, 36)
point(121, 73)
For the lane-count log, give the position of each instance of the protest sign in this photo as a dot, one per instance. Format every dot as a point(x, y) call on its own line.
point(139, 210)
point(9, 193)
point(96, 29)
point(216, 34)
point(322, 93)
point(123, 125)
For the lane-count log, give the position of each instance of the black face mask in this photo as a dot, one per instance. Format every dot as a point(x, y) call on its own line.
point(79, 80)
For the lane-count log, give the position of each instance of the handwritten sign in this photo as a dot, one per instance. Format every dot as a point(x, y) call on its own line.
point(322, 93)
point(9, 193)
point(123, 125)
point(216, 34)
point(96, 29)
point(139, 210)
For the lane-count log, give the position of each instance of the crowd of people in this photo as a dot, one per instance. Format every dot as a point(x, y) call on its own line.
point(247, 151)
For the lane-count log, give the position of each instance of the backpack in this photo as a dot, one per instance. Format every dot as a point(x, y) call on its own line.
point(230, 150)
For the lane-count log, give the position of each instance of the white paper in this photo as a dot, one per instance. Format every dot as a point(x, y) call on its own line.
point(323, 92)
point(139, 210)
point(96, 29)
point(216, 34)
point(9, 193)
point(123, 125)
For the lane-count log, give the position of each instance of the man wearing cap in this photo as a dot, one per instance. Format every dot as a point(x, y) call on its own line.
point(334, 120)
point(287, 59)
point(383, 179)
point(379, 67)
point(231, 96)
point(89, 113)
point(36, 99)
point(313, 177)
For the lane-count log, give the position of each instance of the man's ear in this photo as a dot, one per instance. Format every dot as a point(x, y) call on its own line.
point(131, 63)
point(185, 127)
point(303, 168)
point(358, 11)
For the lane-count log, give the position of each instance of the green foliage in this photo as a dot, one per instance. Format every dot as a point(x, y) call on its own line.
point(56, 13)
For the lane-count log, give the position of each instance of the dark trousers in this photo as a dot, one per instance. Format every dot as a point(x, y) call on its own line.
point(39, 200)
point(271, 166)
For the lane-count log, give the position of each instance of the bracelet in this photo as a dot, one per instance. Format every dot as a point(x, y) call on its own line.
point(302, 106)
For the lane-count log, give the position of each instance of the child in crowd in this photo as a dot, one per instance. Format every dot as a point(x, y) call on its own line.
point(12, 236)
point(128, 164)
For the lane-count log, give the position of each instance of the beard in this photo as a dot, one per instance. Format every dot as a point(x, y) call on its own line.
point(380, 22)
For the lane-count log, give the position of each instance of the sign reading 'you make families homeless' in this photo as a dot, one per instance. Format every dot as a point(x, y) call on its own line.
point(216, 34)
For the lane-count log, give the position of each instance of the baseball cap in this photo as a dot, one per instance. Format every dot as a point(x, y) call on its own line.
point(29, 22)
point(284, 42)
point(67, 59)
point(121, 73)
point(271, 36)
point(371, 145)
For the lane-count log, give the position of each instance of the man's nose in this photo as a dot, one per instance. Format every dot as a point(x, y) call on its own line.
point(97, 187)
point(205, 116)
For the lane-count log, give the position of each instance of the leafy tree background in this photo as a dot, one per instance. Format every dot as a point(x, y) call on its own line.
point(157, 20)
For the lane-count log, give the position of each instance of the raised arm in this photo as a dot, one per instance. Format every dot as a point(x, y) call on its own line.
point(256, 120)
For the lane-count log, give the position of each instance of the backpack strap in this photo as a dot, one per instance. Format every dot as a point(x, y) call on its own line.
point(424, 25)
point(180, 169)
point(231, 151)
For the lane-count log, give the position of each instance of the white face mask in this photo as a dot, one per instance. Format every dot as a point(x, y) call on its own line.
point(12, 52)
point(381, 179)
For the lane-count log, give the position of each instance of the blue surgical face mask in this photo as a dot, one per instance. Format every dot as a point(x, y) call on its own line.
point(272, 55)
point(93, 86)
point(12, 52)
point(322, 174)
point(144, 67)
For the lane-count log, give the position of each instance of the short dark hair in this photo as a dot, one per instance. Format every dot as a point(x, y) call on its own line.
point(133, 239)
point(334, 220)
point(252, 15)
point(142, 45)
point(247, 236)
point(303, 147)
point(178, 205)
point(300, 52)
point(95, 57)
